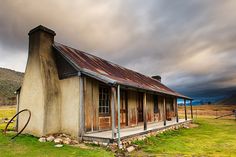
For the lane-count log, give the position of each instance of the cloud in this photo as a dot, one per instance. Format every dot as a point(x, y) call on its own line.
point(190, 43)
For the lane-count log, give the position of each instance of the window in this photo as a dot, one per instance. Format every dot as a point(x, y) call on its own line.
point(104, 100)
point(155, 99)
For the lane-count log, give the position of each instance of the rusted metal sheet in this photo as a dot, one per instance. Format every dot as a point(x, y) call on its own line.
point(112, 73)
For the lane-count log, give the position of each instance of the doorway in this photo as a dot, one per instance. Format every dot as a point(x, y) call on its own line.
point(124, 108)
point(140, 107)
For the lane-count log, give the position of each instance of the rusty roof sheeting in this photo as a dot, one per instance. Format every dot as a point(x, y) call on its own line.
point(110, 72)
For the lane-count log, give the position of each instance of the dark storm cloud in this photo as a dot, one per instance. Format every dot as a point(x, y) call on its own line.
point(191, 43)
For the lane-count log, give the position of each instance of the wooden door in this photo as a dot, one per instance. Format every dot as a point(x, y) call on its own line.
point(124, 109)
point(140, 107)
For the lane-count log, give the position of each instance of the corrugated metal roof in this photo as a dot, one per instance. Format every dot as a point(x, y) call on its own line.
point(111, 73)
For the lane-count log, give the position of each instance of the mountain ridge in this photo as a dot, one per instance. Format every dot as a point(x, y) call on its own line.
point(231, 100)
point(10, 81)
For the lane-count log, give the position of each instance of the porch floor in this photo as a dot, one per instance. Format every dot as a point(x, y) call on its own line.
point(132, 131)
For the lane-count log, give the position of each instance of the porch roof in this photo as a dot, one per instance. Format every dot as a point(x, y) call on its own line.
point(111, 73)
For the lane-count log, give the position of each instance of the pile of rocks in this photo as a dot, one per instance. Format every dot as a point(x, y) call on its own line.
point(59, 139)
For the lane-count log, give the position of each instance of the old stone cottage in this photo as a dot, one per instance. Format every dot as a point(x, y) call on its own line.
point(71, 91)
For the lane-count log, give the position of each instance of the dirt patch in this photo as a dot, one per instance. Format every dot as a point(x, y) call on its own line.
point(83, 146)
point(193, 125)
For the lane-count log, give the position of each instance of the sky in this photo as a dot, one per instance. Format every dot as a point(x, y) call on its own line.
point(190, 43)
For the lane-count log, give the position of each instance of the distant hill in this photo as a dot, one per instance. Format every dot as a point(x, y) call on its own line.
point(10, 81)
point(228, 101)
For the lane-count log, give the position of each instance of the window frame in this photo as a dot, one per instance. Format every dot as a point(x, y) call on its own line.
point(105, 96)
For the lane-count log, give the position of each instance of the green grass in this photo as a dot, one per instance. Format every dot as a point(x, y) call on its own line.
point(211, 138)
point(28, 146)
point(7, 112)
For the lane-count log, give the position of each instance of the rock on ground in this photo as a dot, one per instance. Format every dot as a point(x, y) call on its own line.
point(42, 139)
point(58, 145)
point(58, 140)
point(130, 149)
point(50, 138)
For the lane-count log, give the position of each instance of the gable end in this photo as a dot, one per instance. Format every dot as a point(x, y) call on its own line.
point(64, 68)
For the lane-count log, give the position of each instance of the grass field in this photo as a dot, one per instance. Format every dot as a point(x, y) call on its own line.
point(7, 112)
point(28, 146)
point(211, 137)
point(208, 110)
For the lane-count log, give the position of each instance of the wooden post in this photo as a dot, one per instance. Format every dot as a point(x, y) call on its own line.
point(185, 110)
point(191, 109)
point(144, 111)
point(177, 114)
point(164, 108)
point(113, 98)
point(118, 108)
point(82, 91)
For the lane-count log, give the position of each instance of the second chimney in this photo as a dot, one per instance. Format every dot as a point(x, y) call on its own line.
point(157, 77)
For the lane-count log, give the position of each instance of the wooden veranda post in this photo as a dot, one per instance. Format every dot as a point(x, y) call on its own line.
point(176, 110)
point(113, 99)
point(118, 108)
point(185, 110)
point(191, 109)
point(81, 105)
point(164, 108)
point(144, 111)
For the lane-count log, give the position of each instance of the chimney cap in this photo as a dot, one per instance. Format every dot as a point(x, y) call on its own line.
point(157, 77)
point(42, 28)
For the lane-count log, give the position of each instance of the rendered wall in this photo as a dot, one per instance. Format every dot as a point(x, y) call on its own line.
point(40, 91)
point(70, 105)
point(32, 97)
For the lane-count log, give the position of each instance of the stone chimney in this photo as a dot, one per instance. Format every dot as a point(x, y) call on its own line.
point(41, 89)
point(157, 77)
